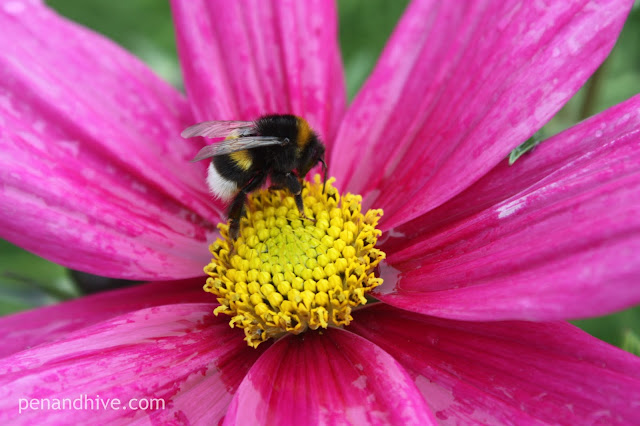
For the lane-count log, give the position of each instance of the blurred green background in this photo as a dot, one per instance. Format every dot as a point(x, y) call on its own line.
point(145, 28)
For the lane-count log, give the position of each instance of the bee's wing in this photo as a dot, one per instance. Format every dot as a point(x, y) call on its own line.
point(228, 146)
point(219, 129)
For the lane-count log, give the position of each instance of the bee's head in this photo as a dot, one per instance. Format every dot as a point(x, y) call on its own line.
point(311, 156)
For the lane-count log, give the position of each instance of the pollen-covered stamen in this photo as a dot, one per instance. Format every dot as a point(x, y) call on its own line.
point(286, 274)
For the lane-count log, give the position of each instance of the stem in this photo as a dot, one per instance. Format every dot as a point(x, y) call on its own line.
point(591, 96)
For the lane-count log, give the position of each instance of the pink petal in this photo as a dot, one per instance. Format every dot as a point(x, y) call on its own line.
point(93, 172)
point(243, 59)
point(333, 377)
point(179, 353)
point(556, 236)
point(30, 328)
point(508, 372)
point(459, 85)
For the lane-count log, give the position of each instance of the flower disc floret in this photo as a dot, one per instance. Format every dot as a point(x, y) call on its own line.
point(285, 273)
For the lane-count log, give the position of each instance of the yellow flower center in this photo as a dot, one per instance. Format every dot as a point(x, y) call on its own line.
point(285, 274)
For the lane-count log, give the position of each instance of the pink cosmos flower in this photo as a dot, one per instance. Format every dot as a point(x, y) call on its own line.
point(484, 261)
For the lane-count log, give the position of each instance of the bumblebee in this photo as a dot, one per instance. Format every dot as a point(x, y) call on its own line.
point(281, 147)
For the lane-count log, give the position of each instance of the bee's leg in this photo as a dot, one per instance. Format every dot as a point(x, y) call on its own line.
point(291, 182)
point(236, 207)
point(234, 213)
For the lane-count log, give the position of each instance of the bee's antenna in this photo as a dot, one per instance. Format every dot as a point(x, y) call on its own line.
point(324, 168)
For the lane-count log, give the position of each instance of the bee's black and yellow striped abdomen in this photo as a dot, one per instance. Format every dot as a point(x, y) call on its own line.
point(242, 159)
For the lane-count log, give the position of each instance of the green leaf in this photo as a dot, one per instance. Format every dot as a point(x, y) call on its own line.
point(365, 27)
point(613, 328)
point(631, 342)
point(28, 281)
point(523, 148)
